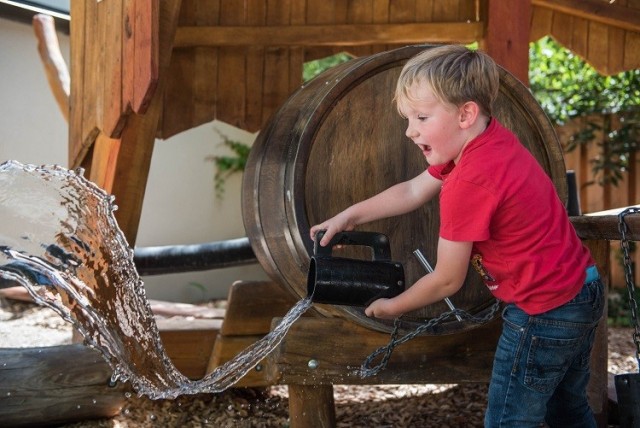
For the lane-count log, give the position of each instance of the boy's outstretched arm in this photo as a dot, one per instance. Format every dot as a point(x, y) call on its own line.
point(399, 199)
point(444, 281)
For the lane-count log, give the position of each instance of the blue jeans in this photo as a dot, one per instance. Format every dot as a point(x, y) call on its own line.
point(541, 365)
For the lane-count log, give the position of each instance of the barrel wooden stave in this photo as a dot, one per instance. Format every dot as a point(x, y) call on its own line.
point(339, 140)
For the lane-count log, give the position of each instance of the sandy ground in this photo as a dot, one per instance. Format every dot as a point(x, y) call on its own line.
point(25, 324)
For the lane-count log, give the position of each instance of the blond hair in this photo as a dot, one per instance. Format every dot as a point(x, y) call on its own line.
point(454, 73)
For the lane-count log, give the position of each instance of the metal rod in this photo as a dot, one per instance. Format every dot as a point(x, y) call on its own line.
point(425, 264)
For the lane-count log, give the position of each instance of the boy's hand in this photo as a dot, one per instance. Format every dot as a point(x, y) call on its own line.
point(381, 308)
point(334, 225)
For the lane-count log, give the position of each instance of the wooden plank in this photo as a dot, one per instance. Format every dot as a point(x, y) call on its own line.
point(146, 60)
point(128, 51)
point(632, 51)
point(255, 64)
point(403, 11)
point(444, 11)
point(252, 305)
point(232, 72)
point(605, 227)
point(338, 347)
point(562, 28)
point(178, 111)
point(113, 116)
point(580, 37)
point(607, 13)
point(188, 343)
point(380, 16)
point(103, 162)
point(56, 385)
point(540, 23)
point(205, 85)
point(615, 57)
point(227, 347)
point(76, 90)
point(360, 12)
point(329, 35)
point(424, 10)
point(598, 47)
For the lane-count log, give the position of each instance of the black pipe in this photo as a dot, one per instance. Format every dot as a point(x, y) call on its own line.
point(196, 257)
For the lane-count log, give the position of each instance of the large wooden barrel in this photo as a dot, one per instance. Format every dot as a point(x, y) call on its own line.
point(339, 139)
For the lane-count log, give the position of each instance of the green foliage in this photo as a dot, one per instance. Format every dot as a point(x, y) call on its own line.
point(566, 88)
point(313, 68)
point(199, 287)
point(227, 165)
point(618, 310)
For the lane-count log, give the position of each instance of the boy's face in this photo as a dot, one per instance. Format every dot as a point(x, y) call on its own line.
point(433, 125)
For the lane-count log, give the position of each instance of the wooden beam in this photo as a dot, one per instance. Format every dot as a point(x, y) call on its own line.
point(507, 36)
point(328, 35)
point(613, 14)
point(605, 227)
point(336, 347)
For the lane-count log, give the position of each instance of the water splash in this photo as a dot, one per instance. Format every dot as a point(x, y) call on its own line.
point(60, 240)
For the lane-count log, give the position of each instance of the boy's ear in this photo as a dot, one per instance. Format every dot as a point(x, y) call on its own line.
point(469, 113)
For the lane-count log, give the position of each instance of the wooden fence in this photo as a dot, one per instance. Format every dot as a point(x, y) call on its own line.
point(597, 197)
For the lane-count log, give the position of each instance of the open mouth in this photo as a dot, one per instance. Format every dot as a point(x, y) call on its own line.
point(425, 149)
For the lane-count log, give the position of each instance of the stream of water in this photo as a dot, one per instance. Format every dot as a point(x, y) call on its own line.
point(60, 240)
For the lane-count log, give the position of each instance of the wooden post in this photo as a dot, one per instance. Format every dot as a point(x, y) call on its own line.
point(597, 388)
point(312, 406)
point(507, 35)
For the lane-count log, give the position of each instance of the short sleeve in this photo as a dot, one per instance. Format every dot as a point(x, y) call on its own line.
point(466, 210)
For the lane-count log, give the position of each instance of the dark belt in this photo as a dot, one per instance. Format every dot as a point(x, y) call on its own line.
point(592, 274)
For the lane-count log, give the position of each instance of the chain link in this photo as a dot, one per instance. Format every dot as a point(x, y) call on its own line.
point(366, 370)
point(628, 274)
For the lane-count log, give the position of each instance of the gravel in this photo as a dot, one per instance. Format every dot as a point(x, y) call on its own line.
point(356, 406)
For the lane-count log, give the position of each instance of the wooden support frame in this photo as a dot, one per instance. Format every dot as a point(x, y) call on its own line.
point(330, 35)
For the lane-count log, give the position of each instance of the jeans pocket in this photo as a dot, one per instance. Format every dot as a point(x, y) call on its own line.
point(548, 361)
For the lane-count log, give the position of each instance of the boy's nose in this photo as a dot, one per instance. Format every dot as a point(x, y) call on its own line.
point(411, 132)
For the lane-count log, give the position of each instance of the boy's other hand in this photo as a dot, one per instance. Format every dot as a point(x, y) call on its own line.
point(381, 308)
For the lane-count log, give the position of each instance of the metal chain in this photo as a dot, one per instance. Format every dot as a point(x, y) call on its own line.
point(366, 370)
point(628, 274)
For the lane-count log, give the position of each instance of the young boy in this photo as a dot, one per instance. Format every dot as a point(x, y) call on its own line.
point(500, 211)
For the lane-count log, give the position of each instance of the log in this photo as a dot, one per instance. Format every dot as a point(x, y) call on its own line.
point(56, 385)
point(55, 66)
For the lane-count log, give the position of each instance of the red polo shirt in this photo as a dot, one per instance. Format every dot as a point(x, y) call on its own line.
point(500, 198)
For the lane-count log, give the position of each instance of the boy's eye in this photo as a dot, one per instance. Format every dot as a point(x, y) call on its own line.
point(422, 118)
